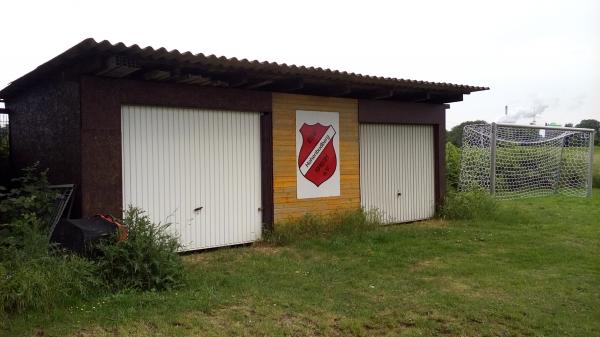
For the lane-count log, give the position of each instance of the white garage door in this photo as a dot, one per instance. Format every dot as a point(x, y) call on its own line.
point(196, 169)
point(397, 171)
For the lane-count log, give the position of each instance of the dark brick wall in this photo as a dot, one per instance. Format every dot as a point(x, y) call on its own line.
point(45, 128)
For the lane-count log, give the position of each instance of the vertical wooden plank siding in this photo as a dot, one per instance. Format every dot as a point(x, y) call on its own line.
point(286, 205)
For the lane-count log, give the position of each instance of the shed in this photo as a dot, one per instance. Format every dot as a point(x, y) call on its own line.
point(224, 148)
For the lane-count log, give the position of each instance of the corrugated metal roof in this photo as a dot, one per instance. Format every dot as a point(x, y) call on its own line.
point(89, 47)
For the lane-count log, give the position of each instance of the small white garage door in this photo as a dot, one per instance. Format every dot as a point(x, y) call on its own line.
point(397, 171)
point(196, 169)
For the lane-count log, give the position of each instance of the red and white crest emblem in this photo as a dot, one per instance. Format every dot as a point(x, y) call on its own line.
point(317, 159)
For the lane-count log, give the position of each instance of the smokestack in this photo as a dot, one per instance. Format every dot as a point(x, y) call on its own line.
point(506, 110)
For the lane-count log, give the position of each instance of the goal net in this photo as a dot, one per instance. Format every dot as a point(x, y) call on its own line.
point(518, 161)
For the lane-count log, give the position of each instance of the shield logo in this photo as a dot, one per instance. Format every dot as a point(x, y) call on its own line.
point(317, 159)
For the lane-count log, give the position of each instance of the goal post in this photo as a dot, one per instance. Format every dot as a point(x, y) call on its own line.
point(516, 161)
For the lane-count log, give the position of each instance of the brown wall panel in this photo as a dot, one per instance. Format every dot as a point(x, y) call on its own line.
point(101, 101)
point(286, 205)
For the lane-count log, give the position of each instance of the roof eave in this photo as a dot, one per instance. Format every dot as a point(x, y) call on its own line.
point(264, 75)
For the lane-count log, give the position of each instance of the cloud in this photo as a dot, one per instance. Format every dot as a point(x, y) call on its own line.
point(577, 102)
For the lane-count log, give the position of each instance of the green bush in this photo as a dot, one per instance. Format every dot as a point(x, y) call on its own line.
point(147, 260)
point(311, 226)
point(477, 204)
point(452, 166)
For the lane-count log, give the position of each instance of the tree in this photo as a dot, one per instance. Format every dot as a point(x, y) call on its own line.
point(591, 124)
point(455, 134)
point(569, 125)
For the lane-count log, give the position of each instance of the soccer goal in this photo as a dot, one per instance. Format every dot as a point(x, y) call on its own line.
point(517, 161)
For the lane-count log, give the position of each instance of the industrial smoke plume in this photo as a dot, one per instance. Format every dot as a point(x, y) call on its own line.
point(537, 109)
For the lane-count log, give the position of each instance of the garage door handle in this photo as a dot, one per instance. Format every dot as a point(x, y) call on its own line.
point(398, 194)
point(198, 209)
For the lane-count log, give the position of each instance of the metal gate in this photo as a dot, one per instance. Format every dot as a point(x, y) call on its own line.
point(397, 174)
point(197, 169)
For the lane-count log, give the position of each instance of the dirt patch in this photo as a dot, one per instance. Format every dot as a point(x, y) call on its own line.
point(433, 223)
point(266, 248)
point(436, 262)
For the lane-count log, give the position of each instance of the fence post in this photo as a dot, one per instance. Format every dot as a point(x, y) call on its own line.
point(591, 168)
point(493, 159)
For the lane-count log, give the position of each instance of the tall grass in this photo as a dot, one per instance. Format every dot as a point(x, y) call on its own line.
point(35, 275)
point(476, 204)
point(311, 226)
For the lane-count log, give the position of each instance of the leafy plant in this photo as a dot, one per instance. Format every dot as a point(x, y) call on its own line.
point(29, 195)
point(147, 260)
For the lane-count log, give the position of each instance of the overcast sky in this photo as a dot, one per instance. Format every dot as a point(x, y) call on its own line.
point(534, 55)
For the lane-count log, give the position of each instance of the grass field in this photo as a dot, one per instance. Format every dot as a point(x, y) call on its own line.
point(532, 270)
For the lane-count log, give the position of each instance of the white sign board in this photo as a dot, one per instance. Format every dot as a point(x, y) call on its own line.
point(317, 154)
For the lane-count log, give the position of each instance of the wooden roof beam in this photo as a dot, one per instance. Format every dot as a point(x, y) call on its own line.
point(383, 94)
point(291, 84)
point(232, 80)
point(156, 75)
point(445, 98)
point(340, 90)
point(259, 84)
